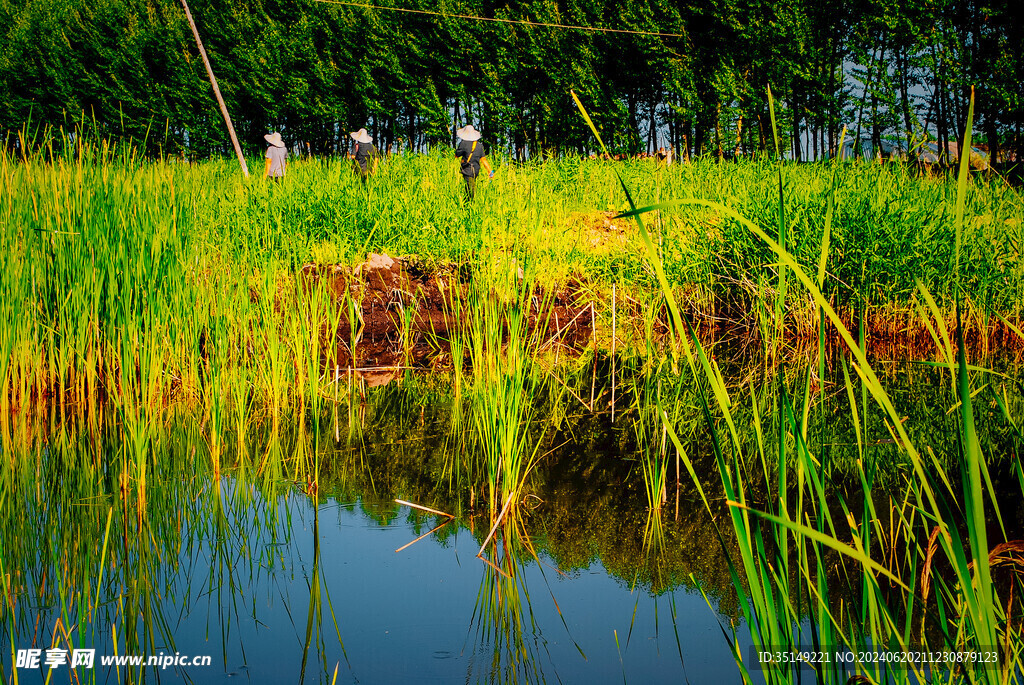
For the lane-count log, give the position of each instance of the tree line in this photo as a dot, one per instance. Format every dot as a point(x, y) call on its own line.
point(316, 69)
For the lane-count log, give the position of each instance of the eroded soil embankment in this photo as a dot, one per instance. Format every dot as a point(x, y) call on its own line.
point(408, 315)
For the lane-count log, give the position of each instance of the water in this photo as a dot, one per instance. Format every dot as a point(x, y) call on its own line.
point(283, 566)
point(287, 589)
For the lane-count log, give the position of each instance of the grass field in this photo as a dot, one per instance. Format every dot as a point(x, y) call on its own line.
point(139, 288)
point(108, 258)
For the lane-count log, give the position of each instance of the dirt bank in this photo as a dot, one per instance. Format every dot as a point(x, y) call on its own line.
point(408, 311)
point(406, 314)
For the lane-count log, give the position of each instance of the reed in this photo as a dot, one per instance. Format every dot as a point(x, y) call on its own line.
point(93, 235)
point(785, 546)
point(504, 380)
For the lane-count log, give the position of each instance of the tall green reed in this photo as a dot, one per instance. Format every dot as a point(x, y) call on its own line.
point(784, 551)
point(92, 235)
point(503, 383)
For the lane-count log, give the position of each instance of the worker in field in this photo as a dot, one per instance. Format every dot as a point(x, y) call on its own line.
point(364, 154)
point(472, 155)
point(277, 157)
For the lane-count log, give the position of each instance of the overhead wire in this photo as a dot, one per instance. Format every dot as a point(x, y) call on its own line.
point(522, 22)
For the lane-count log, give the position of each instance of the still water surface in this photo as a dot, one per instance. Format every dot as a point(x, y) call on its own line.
point(245, 593)
point(279, 582)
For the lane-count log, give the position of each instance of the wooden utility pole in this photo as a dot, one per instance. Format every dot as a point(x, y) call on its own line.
point(216, 91)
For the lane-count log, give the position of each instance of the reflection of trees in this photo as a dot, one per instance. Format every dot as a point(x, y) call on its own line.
point(592, 503)
point(591, 507)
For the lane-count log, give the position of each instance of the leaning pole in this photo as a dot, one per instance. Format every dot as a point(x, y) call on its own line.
point(216, 91)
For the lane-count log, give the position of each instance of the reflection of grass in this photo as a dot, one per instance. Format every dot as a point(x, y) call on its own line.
point(82, 556)
point(314, 617)
point(600, 516)
point(656, 392)
point(505, 622)
point(81, 569)
point(786, 546)
point(504, 613)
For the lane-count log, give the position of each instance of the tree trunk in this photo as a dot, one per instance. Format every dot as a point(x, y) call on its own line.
point(455, 120)
point(938, 104)
point(739, 135)
point(718, 130)
point(876, 129)
point(860, 113)
point(797, 153)
point(652, 133)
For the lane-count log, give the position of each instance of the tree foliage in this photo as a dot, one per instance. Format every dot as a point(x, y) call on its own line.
point(315, 70)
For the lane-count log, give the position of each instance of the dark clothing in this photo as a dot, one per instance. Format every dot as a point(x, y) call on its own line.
point(470, 187)
point(364, 153)
point(470, 154)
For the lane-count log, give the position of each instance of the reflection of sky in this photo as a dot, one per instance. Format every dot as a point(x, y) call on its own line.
point(408, 617)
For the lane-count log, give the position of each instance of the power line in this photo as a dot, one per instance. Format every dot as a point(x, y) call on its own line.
point(522, 22)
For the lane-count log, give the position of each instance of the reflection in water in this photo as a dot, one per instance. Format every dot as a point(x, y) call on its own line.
point(315, 623)
point(505, 624)
point(277, 583)
point(511, 646)
point(274, 551)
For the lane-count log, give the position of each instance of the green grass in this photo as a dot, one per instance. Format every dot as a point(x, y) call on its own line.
point(785, 544)
point(134, 292)
point(112, 262)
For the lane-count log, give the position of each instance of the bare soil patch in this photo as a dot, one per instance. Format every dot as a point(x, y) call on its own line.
point(407, 313)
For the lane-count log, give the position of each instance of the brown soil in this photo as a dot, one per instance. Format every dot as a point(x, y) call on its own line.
point(389, 290)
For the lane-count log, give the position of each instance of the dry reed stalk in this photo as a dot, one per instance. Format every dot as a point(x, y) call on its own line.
point(423, 508)
point(613, 351)
point(593, 366)
point(433, 530)
point(571, 392)
point(504, 510)
point(560, 329)
point(494, 566)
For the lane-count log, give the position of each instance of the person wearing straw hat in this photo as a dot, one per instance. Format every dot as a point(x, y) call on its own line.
point(473, 155)
point(277, 157)
point(364, 153)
